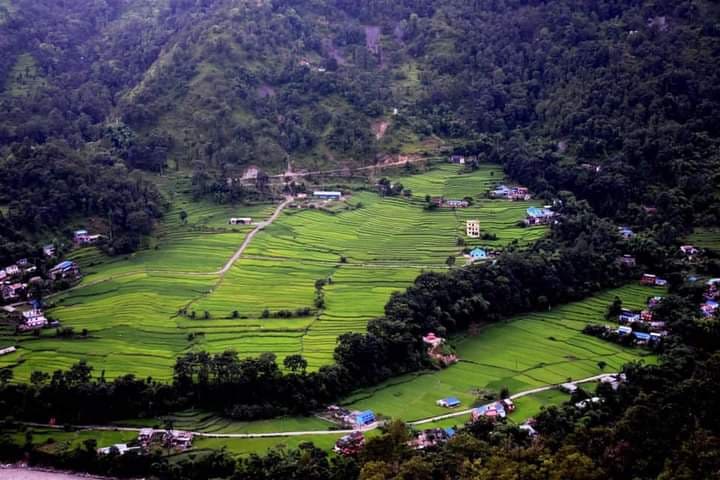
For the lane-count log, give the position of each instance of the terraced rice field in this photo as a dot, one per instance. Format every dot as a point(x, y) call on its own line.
point(529, 351)
point(705, 238)
point(369, 246)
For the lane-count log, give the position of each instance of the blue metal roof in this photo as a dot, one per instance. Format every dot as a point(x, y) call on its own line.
point(452, 401)
point(64, 264)
point(450, 431)
point(478, 252)
point(641, 335)
point(539, 212)
point(365, 417)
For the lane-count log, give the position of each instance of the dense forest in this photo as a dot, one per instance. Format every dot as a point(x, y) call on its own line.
point(607, 107)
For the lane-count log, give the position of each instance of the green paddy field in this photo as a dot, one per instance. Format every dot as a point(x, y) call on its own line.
point(130, 305)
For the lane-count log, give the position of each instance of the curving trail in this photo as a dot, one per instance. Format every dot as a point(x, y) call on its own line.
point(259, 226)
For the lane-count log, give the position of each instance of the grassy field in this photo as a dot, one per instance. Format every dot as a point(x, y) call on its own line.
point(529, 351)
point(369, 246)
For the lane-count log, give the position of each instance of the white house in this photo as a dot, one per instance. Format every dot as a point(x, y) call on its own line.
point(33, 319)
point(240, 221)
point(472, 228)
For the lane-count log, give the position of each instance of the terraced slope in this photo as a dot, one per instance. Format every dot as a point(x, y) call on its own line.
point(144, 310)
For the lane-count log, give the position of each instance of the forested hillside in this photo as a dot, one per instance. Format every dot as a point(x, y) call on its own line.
point(614, 100)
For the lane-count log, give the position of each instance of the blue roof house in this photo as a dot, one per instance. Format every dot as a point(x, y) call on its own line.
point(626, 232)
point(364, 418)
point(478, 253)
point(450, 432)
point(449, 402)
point(641, 336)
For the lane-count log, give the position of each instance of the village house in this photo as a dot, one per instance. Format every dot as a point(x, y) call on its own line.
point(457, 159)
point(436, 349)
point(472, 228)
point(654, 301)
point(626, 232)
point(33, 319)
point(569, 387)
point(627, 261)
point(82, 238)
point(646, 316)
point(64, 270)
point(450, 402)
point(528, 428)
point(501, 191)
point(539, 216)
point(13, 291)
point(323, 195)
point(178, 439)
point(3, 275)
point(12, 271)
point(492, 411)
point(7, 351)
point(49, 250)
point(520, 193)
point(119, 448)
point(361, 419)
point(350, 444)
point(240, 221)
point(689, 251)
point(477, 254)
point(613, 380)
point(583, 404)
point(648, 279)
point(437, 201)
point(623, 330)
point(511, 193)
point(456, 204)
point(431, 438)
point(628, 316)
point(709, 308)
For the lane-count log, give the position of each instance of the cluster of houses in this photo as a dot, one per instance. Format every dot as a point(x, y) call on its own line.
point(316, 199)
point(13, 288)
point(493, 411)
point(645, 317)
point(510, 193)
point(148, 437)
point(436, 349)
point(710, 305)
point(431, 438)
point(539, 216)
point(651, 280)
point(642, 338)
point(350, 419)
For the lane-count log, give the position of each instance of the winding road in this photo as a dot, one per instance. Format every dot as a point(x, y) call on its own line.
point(372, 426)
point(258, 227)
